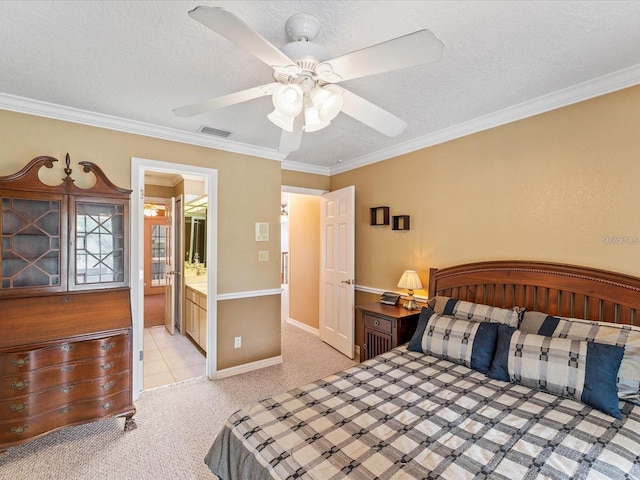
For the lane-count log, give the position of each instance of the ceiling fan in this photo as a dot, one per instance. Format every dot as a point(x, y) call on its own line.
point(305, 93)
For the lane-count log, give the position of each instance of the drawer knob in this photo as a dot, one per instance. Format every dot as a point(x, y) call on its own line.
point(108, 385)
point(64, 410)
point(376, 323)
point(364, 345)
point(108, 346)
point(66, 347)
point(67, 369)
point(66, 389)
point(108, 366)
point(18, 407)
point(107, 406)
point(20, 362)
point(19, 385)
point(19, 430)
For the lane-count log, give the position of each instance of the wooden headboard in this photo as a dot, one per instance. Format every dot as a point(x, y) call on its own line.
point(556, 289)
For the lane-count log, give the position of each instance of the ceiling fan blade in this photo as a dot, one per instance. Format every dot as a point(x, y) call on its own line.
point(402, 52)
point(232, 28)
point(225, 100)
point(290, 141)
point(372, 115)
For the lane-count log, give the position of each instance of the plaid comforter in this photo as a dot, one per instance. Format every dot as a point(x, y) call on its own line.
point(405, 415)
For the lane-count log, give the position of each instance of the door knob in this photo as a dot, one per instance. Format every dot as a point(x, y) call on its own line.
point(348, 282)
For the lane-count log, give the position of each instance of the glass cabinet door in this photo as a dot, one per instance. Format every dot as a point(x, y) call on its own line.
point(30, 254)
point(99, 255)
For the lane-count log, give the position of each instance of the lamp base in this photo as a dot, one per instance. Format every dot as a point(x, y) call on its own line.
point(411, 304)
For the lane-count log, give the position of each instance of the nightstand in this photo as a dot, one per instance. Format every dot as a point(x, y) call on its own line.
point(383, 327)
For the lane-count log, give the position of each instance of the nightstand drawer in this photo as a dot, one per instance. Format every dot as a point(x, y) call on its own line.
point(377, 323)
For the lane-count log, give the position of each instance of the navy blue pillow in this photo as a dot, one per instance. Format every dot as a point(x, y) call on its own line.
point(461, 341)
point(584, 371)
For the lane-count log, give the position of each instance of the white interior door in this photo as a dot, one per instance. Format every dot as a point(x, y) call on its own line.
point(337, 269)
point(170, 285)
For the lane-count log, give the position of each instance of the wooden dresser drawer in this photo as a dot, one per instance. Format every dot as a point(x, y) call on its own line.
point(58, 375)
point(16, 430)
point(26, 406)
point(378, 323)
point(25, 361)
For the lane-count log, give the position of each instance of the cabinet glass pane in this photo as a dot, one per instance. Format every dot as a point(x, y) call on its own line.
point(30, 243)
point(99, 253)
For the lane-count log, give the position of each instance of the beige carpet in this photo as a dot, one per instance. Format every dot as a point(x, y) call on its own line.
point(176, 424)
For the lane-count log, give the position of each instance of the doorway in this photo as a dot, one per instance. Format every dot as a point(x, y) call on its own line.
point(184, 174)
point(169, 355)
point(300, 257)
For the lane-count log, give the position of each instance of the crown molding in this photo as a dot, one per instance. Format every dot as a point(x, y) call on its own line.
point(305, 168)
point(612, 82)
point(84, 117)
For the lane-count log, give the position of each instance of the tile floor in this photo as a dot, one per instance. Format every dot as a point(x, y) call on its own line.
point(169, 358)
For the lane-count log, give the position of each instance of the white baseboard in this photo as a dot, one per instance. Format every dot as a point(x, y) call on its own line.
point(248, 367)
point(303, 326)
point(315, 331)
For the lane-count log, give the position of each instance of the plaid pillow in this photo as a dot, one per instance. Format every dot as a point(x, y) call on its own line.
point(474, 311)
point(585, 371)
point(460, 341)
point(626, 336)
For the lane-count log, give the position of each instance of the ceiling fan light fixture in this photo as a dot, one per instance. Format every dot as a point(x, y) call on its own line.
point(327, 101)
point(288, 100)
point(312, 122)
point(282, 121)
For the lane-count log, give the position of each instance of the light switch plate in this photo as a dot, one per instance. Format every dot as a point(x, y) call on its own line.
point(262, 232)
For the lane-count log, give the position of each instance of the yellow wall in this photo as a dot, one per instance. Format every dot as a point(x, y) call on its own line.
point(314, 181)
point(304, 259)
point(550, 188)
point(248, 192)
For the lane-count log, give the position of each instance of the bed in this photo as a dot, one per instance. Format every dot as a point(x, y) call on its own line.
point(456, 409)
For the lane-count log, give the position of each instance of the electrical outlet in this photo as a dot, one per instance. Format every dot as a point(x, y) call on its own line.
point(237, 342)
point(263, 256)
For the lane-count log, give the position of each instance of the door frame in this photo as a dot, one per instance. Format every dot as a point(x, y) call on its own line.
point(138, 168)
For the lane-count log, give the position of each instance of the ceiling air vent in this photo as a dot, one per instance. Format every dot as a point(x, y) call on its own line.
point(215, 132)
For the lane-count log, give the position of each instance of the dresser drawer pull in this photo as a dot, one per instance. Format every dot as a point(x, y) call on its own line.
point(20, 362)
point(18, 407)
point(66, 348)
point(67, 299)
point(68, 368)
point(19, 430)
point(19, 385)
point(376, 323)
point(108, 346)
point(66, 389)
point(364, 346)
point(108, 366)
point(64, 410)
point(108, 405)
point(108, 385)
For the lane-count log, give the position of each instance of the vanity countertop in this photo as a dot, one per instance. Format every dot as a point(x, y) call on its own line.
point(198, 287)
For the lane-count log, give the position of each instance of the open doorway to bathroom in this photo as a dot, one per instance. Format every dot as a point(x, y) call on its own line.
point(175, 263)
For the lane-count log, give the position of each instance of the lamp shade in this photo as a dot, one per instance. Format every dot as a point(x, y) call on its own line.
point(312, 121)
point(327, 101)
point(288, 100)
point(410, 280)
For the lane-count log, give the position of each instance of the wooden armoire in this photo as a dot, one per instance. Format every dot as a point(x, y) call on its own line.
point(65, 310)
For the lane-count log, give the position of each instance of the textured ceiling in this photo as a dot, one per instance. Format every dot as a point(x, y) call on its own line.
point(137, 60)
